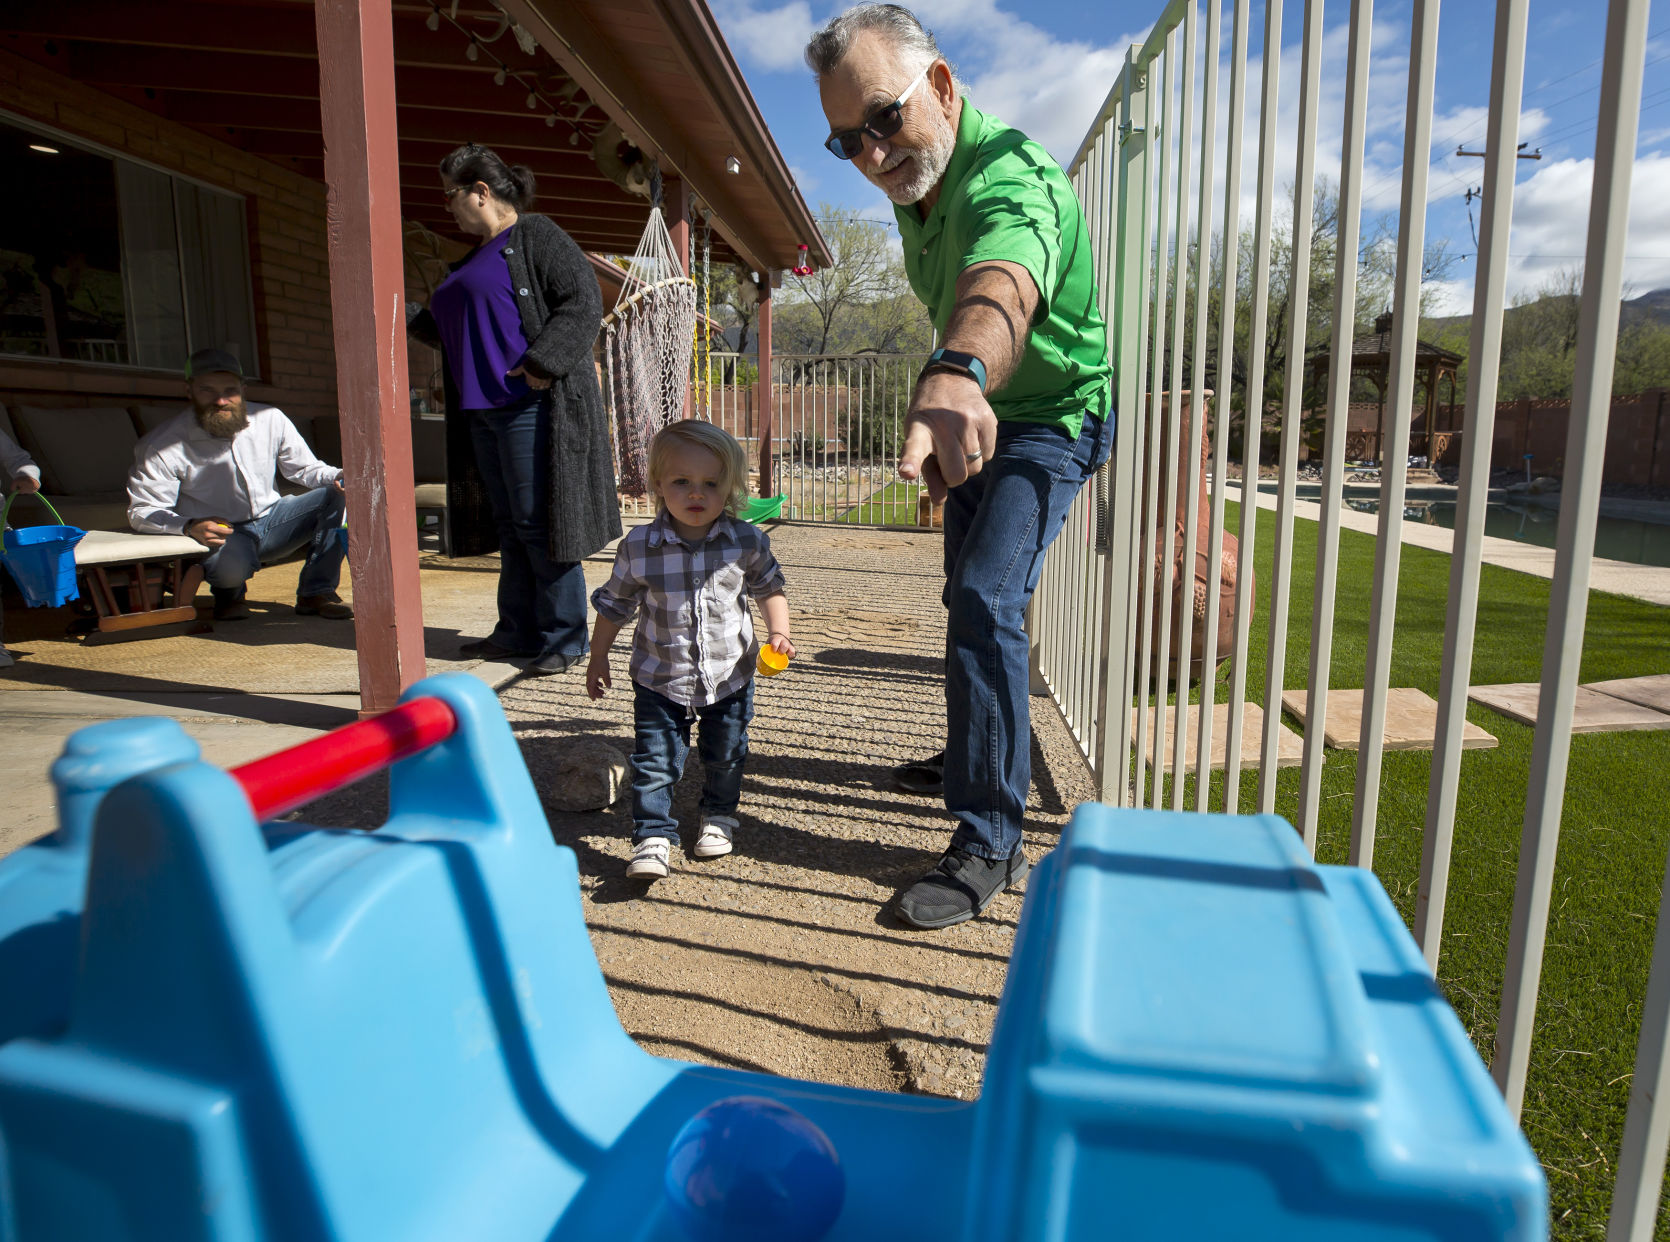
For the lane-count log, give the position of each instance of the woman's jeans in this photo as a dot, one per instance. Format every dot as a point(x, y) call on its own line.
point(542, 603)
point(997, 528)
point(663, 732)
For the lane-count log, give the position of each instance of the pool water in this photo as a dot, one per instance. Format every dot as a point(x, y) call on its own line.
point(1616, 539)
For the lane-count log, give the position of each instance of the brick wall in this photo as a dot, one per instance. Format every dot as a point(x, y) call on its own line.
point(288, 260)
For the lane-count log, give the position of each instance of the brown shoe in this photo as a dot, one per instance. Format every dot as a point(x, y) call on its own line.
point(329, 607)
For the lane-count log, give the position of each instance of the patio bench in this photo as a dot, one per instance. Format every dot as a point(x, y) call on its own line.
point(149, 567)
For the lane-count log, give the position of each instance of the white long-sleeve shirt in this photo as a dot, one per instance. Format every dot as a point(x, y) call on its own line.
point(15, 460)
point(182, 474)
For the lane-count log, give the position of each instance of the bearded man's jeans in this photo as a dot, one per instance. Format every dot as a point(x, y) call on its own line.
point(312, 518)
point(998, 526)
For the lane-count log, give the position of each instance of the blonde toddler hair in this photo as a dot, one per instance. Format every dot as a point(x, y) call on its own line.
point(699, 433)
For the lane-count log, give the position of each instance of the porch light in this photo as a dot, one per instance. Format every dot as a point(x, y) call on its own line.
point(733, 165)
point(533, 100)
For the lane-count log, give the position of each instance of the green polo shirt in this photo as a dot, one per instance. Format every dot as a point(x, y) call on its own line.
point(1003, 197)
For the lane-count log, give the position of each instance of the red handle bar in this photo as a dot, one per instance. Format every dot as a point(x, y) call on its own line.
point(281, 782)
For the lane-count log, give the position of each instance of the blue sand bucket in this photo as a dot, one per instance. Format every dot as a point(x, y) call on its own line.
point(41, 559)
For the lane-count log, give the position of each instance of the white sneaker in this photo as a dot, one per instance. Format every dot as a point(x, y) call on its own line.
point(6, 658)
point(649, 859)
point(715, 838)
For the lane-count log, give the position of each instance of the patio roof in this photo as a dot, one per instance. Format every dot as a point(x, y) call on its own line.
point(604, 77)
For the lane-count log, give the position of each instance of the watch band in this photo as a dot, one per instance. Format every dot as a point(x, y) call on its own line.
point(961, 363)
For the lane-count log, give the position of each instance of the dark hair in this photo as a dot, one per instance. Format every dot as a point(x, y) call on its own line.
point(473, 162)
point(828, 47)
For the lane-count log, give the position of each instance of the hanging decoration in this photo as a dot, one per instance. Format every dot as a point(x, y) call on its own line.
point(476, 46)
point(804, 266)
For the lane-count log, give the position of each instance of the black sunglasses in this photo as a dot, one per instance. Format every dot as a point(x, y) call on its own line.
point(882, 124)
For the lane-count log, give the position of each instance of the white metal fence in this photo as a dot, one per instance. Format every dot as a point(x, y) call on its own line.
point(1105, 621)
point(834, 433)
point(837, 427)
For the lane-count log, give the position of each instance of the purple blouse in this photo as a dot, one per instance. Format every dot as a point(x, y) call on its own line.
point(481, 330)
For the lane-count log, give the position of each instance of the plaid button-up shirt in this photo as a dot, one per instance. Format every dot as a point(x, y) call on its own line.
point(695, 640)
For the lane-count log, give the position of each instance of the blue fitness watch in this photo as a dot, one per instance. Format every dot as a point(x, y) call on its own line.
point(961, 363)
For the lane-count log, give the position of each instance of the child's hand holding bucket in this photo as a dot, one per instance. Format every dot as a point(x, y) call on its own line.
point(775, 656)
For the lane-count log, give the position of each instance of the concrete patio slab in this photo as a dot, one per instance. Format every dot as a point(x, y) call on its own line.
point(1289, 746)
point(1592, 711)
point(1652, 691)
point(1411, 720)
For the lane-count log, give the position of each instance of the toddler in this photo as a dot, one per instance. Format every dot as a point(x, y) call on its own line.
point(20, 468)
point(694, 653)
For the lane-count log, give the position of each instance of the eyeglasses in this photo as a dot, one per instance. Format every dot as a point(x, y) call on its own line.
point(883, 123)
point(448, 193)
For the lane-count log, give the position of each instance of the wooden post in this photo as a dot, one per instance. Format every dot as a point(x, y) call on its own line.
point(675, 206)
point(368, 298)
point(762, 335)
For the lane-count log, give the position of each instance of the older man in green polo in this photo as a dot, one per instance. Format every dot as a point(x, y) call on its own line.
point(1009, 417)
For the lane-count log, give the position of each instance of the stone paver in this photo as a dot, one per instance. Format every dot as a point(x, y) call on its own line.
point(1652, 691)
point(1411, 720)
point(1290, 750)
point(1592, 711)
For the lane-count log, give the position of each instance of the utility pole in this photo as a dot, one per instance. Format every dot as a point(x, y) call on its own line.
point(1477, 192)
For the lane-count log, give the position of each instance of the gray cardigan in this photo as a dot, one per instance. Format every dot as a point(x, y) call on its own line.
point(562, 311)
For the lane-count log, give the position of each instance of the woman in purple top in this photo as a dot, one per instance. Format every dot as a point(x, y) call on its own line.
point(515, 322)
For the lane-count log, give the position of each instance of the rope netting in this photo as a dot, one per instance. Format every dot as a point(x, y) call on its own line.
point(647, 344)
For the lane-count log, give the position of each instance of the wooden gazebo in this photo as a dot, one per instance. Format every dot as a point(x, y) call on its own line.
point(1371, 358)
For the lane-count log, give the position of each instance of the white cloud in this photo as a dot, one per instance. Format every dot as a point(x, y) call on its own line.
point(1551, 219)
point(771, 39)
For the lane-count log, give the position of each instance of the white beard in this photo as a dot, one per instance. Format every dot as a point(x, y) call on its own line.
point(929, 165)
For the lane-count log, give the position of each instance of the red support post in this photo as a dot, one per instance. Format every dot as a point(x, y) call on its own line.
point(762, 334)
point(368, 298)
point(675, 206)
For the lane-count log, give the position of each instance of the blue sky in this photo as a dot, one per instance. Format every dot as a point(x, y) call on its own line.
point(1045, 66)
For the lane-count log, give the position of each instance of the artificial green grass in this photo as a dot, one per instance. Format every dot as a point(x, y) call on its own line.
point(1613, 835)
point(893, 505)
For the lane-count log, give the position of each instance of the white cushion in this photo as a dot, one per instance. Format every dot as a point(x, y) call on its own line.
point(106, 547)
point(81, 451)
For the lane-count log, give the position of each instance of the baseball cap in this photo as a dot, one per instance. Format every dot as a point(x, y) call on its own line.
point(207, 360)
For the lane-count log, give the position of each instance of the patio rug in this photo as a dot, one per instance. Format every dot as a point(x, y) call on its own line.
point(273, 652)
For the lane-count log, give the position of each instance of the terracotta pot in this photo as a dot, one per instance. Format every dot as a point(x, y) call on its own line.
point(1189, 590)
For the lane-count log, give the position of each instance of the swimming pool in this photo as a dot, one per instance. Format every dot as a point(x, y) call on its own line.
point(1616, 539)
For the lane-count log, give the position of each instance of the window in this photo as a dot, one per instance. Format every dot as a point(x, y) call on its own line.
point(104, 259)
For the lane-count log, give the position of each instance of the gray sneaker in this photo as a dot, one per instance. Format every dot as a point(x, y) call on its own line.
point(959, 887)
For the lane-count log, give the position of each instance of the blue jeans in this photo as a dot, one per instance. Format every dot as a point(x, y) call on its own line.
point(997, 528)
point(312, 518)
point(663, 733)
point(542, 603)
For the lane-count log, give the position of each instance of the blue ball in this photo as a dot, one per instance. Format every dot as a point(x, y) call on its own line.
point(747, 1168)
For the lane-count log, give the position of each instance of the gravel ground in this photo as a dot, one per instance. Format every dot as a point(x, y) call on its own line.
point(783, 955)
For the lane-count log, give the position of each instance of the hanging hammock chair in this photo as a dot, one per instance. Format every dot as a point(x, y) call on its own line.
point(647, 342)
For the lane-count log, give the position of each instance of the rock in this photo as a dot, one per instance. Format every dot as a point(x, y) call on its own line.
point(585, 774)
